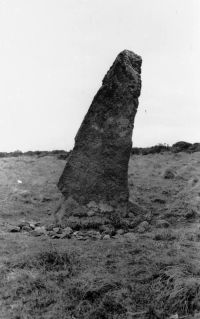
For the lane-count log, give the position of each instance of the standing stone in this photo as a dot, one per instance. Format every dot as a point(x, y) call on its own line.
point(97, 169)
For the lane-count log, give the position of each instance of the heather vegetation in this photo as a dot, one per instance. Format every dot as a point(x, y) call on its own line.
point(60, 153)
point(175, 148)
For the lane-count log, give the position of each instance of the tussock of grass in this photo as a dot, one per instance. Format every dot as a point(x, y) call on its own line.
point(53, 261)
point(28, 297)
point(33, 283)
point(48, 259)
point(55, 283)
point(165, 234)
point(177, 290)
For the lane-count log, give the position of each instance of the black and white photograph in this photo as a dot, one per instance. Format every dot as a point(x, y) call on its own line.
point(99, 159)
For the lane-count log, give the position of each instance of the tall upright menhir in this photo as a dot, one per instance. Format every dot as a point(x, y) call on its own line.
point(96, 174)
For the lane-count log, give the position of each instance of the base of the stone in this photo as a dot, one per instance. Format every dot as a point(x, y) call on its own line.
point(105, 217)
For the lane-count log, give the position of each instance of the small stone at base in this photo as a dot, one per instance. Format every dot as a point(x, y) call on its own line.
point(35, 233)
point(90, 213)
point(120, 231)
point(130, 236)
point(106, 237)
point(14, 229)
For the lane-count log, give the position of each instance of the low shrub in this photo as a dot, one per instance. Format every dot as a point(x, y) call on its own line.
point(180, 146)
point(151, 150)
point(3, 154)
point(165, 235)
point(48, 259)
point(160, 148)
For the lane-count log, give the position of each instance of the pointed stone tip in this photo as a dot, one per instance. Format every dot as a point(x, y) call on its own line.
point(130, 54)
point(126, 65)
point(130, 58)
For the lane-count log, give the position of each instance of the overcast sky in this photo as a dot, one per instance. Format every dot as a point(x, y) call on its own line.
point(54, 54)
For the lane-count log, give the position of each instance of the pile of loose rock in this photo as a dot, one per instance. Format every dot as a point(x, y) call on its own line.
point(138, 221)
point(36, 229)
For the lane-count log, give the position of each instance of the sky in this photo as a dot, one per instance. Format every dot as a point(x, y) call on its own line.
point(55, 53)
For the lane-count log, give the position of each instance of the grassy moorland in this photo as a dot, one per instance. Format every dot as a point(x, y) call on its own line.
point(150, 274)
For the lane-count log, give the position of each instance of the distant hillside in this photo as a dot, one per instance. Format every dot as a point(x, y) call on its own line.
point(61, 154)
point(159, 148)
point(175, 148)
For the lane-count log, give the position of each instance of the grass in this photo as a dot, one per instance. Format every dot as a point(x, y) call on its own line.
point(108, 281)
point(152, 275)
point(178, 290)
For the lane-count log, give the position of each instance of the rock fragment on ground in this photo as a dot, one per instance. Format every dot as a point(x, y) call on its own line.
point(35, 233)
point(13, 229)
point(169, 174)
point(120, 231)
point(67, 232)
point(143, 227)
point(130, 236)
point(106, 237)
point(162, 223)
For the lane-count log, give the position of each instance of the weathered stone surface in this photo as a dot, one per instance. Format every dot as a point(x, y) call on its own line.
point(57, 230)
point(130, 236)
point(144, 226)
point(66, 233)
point(13, 229)
point(27, 228)
point(97, 168)
point(40, 229)
point(23, 224)
point(106, 237)
point(161, 223)
point(35, 233)
point(120, 231)
point(50, 227)
point(90, 213)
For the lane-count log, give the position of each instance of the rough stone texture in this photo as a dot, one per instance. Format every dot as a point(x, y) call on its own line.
point(97, 168)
